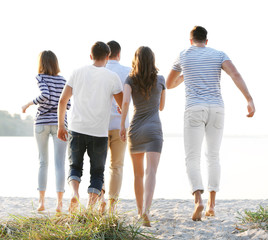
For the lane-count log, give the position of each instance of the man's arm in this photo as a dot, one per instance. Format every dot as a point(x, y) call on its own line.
point(174, 79)
point(64, 98)
point(119, 99)
point(231, 70)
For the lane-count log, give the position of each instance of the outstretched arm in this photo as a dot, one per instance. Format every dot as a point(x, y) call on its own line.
point(24, 107)
point(231, 70)
point(174, 79)
point(125, 106)
point(64, 98)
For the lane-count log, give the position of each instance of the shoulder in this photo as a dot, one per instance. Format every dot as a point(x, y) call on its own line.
point(219, 54)
point(213, 50)
point(125, 68)
point(161, 80)
point(39, 77)
point(185, 51)
point(129, 80)
point(109, 72)
point(79, 70)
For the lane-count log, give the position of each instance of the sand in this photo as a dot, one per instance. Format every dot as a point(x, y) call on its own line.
point(171, 218)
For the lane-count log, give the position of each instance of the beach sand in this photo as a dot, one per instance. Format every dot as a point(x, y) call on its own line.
point(171, 218)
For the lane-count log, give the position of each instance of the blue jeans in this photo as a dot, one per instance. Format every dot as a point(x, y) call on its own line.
point(96, 148)
point(42, 133)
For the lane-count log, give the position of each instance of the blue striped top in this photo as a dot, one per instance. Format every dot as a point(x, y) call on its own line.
point(201, 67)
point(51, 88)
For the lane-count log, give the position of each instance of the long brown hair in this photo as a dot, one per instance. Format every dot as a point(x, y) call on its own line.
point(48, 63)
point(144, 71)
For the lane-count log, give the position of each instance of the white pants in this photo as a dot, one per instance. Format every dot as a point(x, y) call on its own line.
point(200, 121)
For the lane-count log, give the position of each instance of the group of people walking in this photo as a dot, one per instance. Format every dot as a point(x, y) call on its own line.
point(101, 94)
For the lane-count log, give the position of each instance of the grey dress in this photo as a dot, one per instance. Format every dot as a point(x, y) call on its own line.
point(145, 131)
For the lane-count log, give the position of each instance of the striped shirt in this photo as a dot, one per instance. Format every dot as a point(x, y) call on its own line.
point(201, 67)
point(51, 88)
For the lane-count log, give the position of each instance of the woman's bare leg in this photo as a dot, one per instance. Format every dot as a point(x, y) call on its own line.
point(150, 181)
point(137, 162)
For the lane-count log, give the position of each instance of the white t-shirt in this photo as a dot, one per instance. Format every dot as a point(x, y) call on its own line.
point(93, 89)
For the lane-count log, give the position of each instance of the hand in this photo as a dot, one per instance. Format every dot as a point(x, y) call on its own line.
point(62, 134)
point(118, 109)
point(251, 109)
point(24, 107)
point(123, 134)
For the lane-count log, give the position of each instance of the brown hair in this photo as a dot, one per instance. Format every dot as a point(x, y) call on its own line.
point(115, 48)
point(48, 63)
point(144, 71)
point(100, 51)
point(198, 34)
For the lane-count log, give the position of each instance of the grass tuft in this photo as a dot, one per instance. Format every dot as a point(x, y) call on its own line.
point(253, 220)
point(82, 225)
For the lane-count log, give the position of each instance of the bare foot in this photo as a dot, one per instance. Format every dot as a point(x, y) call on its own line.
point(112, 205)
point(59, 207)
point(41, 207)
point(197, 214)
point(102, 208)
point(102, 203)
point(73, 204)
point(210, 212)
point(146, 220)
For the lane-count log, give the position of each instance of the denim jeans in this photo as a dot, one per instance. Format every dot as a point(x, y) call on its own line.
point(42, 133)
point(200, 122)
point(96, 148)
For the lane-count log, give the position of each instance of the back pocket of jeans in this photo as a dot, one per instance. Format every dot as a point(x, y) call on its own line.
point(219, 120)
point(38, 129)
point(195, 118)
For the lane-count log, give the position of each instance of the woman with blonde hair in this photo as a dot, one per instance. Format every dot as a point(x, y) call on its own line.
point(145, 133)
point(46, 123)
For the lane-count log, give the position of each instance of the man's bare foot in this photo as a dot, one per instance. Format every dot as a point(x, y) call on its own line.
point(73, 206)
point(102, 203)
point(146, 220)
point(210, 212)
point(197, 214)
point(102, 208)
point(59, 207)
point(112, 204)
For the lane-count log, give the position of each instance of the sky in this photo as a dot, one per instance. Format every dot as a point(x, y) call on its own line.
point(70, 28)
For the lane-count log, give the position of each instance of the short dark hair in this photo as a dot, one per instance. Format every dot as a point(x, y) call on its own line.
point(100, 51)
point(198, 34)
point(115, 48)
